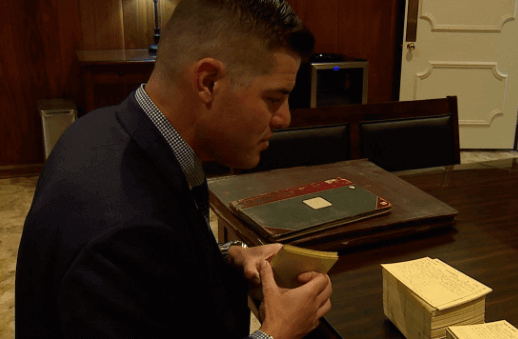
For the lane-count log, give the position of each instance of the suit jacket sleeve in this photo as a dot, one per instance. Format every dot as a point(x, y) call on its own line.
point(113, 247)
point(106, 292)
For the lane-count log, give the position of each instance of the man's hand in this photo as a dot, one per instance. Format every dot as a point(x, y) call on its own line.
point(293, 313)
point(249, 260)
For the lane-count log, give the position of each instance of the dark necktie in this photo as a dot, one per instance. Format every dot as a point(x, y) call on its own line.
point(201, 197)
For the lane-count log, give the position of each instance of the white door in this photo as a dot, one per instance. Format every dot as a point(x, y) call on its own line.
point(467, 48)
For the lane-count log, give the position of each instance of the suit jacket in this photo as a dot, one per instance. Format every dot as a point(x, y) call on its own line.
point(113, 246)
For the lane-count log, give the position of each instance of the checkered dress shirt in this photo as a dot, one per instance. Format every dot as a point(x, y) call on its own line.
point(189, 161)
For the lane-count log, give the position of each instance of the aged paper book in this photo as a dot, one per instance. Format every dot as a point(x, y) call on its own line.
point(440, 285)
point(423, 297)
point(291, 261)
point(495, 330)
point(309, 208)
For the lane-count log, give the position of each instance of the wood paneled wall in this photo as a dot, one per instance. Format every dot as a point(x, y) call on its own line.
point(366, 29)
point(38, 40)
point(119, 24)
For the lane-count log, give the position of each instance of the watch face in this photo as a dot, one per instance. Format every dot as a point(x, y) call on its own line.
point(224, 248)
point(237, 243)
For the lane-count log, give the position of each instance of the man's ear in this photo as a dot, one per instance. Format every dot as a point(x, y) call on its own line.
point(206, 73)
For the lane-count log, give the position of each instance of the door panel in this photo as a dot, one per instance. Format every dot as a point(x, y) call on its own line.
point(467, 48)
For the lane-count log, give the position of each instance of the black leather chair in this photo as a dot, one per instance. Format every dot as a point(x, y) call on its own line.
point(305, 147)
point(397, 135)
point(410, 143)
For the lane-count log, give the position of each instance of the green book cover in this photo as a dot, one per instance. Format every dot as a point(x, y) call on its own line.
point(311, 207)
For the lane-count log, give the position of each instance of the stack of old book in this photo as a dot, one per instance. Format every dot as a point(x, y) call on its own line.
point(425, 296)
point(495, 330)
point(328, 207)
point(309, 208)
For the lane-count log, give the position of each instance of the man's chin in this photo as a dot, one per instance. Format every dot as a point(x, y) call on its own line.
point(244, 164)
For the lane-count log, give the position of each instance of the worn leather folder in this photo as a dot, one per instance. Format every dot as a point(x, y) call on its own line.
point(411, 209)
point(307, 209)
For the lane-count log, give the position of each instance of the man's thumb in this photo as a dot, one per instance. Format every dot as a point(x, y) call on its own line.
point(267, 277)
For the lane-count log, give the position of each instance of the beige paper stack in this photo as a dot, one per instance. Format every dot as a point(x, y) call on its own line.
point(423, 297)
point(292, 261)
point(495, 330)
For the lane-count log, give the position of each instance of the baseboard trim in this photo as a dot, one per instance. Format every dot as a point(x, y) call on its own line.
point(20, 171)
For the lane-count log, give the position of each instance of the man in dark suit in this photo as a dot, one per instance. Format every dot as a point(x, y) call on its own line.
point(117, 242)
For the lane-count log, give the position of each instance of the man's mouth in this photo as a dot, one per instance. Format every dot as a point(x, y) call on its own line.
point(267, 140)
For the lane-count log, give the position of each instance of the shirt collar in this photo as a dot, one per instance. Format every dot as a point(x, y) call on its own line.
point(190, 163)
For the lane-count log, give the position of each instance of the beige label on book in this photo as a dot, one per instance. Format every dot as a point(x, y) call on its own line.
point(317, 203)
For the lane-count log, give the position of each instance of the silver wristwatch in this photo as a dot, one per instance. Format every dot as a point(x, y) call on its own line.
point(224, 248)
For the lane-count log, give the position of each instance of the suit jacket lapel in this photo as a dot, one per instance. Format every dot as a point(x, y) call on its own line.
point(142, 130)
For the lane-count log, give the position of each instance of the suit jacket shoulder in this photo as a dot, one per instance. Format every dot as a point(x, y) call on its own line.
point(113, 245)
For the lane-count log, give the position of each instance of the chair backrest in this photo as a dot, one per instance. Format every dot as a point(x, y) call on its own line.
point(305, 147)
point(394, 135)
point(408, 143)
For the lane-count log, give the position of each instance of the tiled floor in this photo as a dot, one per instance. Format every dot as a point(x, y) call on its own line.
point(478, 156)
point(16, 197)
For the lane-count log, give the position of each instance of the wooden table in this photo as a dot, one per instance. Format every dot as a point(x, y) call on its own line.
point(483, 244)
point(109, 76)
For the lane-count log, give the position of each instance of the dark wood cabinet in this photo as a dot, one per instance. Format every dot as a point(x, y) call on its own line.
point(110, 76)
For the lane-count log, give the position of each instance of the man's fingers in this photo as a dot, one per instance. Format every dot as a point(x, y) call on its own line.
point(323, 297)
point(324, 309)
point(276, 247)
point(252, 274)
point(315, 280)
point(320, 285)
point(261, 312)
point(308, 276)
point(273, 249)
point(328, 290)
point(253, 257)
point(316, 323)
point(267, 279)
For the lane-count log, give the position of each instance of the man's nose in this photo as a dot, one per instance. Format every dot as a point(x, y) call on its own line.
point(283, 117)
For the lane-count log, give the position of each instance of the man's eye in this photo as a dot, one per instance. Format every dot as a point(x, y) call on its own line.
point(276, 100)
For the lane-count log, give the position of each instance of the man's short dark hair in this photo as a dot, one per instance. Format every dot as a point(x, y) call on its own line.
point(240, 33)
